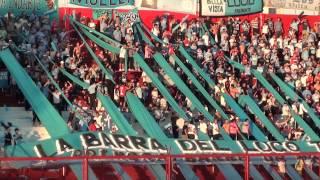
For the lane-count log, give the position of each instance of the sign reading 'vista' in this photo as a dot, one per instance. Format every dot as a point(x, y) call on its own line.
point(102, 3)
point(229, 7)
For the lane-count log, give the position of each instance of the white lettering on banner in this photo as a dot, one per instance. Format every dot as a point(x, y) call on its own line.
point(100, 143)
point(205, 147)
point(3, 75)
point(21, 4)
point(229, 7)
point(63, 146)
point(133, 16)
point(213, 7)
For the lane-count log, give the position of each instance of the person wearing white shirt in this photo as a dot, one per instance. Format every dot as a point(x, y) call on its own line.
point(302, 109)
point(138, 91)
point(265, 28)
point(103, 24)
point(203, 127)
point(272, 41)
point(318, 52)
point(55, 72)
point(215, 130)
point(280, 42)
point(206, 39)
point(56, 96)
point(192, 131)
point(155, 30)
point(285, 111)
point(122, 55)
point(92, 25)
point(92, 93)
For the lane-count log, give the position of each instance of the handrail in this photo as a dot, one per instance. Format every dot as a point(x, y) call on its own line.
point(162, 156)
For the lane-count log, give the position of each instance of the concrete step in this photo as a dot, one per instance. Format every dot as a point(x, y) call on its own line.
point(22, 119)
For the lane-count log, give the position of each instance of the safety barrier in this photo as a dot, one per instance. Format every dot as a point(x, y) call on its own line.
point(202, 162)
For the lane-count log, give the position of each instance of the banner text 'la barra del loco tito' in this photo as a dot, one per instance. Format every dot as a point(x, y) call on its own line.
point(230, 7)
point(99, 143)
point(102, 3)
point(43, 7)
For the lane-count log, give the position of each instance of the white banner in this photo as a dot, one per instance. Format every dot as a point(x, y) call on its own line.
point(229, 7)
point(311, 5)
point(184, 6)
point(213, 8)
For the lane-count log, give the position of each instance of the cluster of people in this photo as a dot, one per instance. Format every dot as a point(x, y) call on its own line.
point(263, 45)
point(9, 137)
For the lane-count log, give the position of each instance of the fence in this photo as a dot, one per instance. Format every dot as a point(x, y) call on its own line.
point(247, 165)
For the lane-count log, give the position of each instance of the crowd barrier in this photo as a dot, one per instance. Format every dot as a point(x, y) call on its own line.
point(203, 164)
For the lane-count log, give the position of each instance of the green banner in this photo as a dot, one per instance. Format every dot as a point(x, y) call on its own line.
point(4, 77)
point(40, 7)
point(230, 7)
point(99, 143)
point(102, 3)
point(97, 13)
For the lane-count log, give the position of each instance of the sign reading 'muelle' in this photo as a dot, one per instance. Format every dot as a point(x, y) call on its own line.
point(229, 7)
point(102, 3)
point(100, 143)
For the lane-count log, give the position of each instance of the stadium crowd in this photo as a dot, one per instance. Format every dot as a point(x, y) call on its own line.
point(293, 54)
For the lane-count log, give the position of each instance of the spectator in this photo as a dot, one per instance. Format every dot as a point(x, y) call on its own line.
point(215, 130)
point(299, 165)
point(245, 129)
point(233, 129)
point(7, 137)
point(282, 167)
point(291, 55)
point(17, 137)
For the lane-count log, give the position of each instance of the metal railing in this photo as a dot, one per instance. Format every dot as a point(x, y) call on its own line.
point(167, 159)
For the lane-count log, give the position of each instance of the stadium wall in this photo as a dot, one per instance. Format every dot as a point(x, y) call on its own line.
point(147, 16)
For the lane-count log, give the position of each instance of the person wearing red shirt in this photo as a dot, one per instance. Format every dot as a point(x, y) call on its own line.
point(310, 80)
point(186, 42)
point(294, 60)
point(167, 34)
point(171, 50)
point(92, 126)
point(122, 93)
